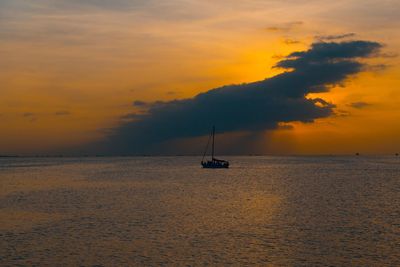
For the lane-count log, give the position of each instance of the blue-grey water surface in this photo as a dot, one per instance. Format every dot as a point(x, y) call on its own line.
point(167, 211)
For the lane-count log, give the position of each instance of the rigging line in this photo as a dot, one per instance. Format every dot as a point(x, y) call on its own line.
point(205, 151)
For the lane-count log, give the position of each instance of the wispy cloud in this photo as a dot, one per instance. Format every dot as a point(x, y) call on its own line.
point(335, 37)
point(32, 117)
point(139, 103)
point(291, 41)
point(284, 27)
point(28, 114)
point(359, 105)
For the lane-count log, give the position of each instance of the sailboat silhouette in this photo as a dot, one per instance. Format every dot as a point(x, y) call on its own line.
point(214, 163)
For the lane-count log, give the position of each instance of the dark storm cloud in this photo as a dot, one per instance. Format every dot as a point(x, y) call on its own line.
point(254, 107)
point(359, 105)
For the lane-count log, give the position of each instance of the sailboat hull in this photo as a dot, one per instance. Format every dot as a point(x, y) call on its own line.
point(215, 165)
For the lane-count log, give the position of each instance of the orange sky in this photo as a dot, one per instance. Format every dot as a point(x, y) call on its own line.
point(70, 70)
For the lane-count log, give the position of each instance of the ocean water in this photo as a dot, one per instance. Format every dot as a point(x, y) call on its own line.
point(167, 211)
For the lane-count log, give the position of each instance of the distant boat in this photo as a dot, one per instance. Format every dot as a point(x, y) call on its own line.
point(214, 163)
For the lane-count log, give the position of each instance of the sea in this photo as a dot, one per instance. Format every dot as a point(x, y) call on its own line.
point(168, 211)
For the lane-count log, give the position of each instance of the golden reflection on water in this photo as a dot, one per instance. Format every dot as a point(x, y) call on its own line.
point(169, 211)
point(14, 220)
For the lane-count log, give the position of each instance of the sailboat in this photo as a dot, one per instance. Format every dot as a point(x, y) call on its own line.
point(214, 163)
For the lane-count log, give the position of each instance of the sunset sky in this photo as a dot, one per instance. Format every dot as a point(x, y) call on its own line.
point(124, 77)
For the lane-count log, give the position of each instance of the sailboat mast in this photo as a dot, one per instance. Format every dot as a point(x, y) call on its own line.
point(213, 134)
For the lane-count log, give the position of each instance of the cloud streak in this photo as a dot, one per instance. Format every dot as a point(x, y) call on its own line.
point(284, 27)
point(335, 37)
point(253, 107)
point(359, 105)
